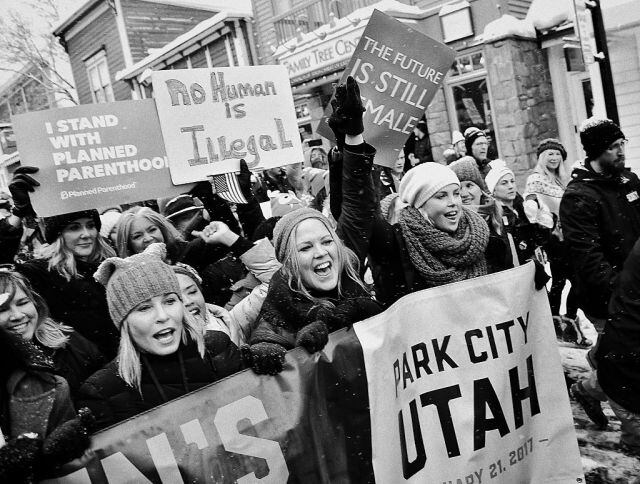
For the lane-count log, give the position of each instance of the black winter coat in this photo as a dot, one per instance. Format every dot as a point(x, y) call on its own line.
point(80, 303)
point(600, 219)
point(76, 361)
point(618, 353)
point(164, 378)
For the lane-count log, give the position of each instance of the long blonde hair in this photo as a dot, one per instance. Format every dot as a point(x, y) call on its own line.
point(169, 232)
point(347, 260)
point(62, 260)
point(48, 332)
point(560, 176)
point(129, 366)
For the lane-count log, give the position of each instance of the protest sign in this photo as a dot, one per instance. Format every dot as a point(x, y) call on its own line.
point(480, 397)
point(94, 155)
point(466, 386)
point(399, 70)
point(212, 118)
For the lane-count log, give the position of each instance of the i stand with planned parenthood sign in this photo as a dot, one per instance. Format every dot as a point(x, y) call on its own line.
point(95, 155)
point(399, 70)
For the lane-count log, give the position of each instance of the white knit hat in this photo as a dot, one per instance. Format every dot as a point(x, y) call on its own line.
point(422, 182)
point(109, 221)
point(498, 169)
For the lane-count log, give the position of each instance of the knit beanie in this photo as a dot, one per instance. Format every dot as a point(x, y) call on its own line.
point(53, 226)
point(466, 169)
point(470, 135)
point(287, 224)
point(109, 220)
point(422, 182)
point(498, 169)
point(551, 144)
point(456, 137)
point(190, 272)
point(135, 279)
point(597, 135)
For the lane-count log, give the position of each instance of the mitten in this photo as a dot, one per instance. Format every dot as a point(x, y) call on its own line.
point(69, 440)
point(264, 358)
point(21, 184)
point(19, 458)
point(313, 337)
point(346, 118)
point(541, 277)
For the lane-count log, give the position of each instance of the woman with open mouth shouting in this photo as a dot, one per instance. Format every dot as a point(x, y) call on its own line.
point(163, 353)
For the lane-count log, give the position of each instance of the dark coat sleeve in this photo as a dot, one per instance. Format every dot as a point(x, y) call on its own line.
point(9, 241)
point(223, 354)
point(91, 396)
point(579, 218)
point(358, 199)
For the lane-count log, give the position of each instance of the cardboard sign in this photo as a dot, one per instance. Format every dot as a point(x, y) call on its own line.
point(212, 118)
point(466, 385)
point(399, 70)
point(94, 155)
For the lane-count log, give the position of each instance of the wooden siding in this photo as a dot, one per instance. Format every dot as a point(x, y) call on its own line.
point(102, 33)
point(218, 53)
point(518, 8)
point(152, 26)
point(624, 51)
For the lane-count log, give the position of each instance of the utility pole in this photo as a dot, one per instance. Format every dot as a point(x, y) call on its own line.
point(602, 56)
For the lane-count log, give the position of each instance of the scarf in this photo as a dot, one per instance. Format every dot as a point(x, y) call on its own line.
point(440, 257)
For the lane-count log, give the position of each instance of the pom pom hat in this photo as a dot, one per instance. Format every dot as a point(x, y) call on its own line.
point(135, 279)
point(597, 135)
point(423, 181)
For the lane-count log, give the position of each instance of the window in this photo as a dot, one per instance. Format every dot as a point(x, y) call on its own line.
point(99, 79)
point(455, 19)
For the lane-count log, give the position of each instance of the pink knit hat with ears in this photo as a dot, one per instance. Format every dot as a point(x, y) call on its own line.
point(135, 279)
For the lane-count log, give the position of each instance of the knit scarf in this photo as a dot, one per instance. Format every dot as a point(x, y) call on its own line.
point(441, 257)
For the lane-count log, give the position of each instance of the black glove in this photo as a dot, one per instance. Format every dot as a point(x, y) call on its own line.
point(541, 277)
point(19, 459)
point(264, 358)
point(20, 186)
point(313, 337)
point(69, 440)
point(347, 111)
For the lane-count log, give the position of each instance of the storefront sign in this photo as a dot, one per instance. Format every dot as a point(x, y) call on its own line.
point(584, 26)
point(212, 118)
point(472, 389)
point(399, 70)
point(327, 56)
point(94, 155)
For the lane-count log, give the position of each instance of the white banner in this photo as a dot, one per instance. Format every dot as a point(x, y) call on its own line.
point(466, 386)
point(212, 118)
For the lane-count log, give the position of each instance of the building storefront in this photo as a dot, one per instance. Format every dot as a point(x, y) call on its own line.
point(499, 83)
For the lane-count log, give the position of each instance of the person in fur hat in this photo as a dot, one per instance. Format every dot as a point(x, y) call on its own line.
point(163, 352)
point(316, 291)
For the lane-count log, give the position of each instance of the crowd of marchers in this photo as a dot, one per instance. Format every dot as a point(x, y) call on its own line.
point(109, 312)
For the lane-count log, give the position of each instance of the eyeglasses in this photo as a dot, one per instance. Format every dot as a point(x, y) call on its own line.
point(618, 145)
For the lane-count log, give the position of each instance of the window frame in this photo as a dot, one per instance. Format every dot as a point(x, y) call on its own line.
point(94, 63)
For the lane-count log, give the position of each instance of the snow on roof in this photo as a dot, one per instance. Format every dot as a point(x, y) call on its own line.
point(318, 35)
point(546, 14)
point(209, 5)
point(179, 42)
point(508, 26)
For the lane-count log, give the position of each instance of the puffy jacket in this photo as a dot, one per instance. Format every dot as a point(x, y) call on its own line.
point(618, 353)
point(600, 217)
point(80, 302)
point(163, 378)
